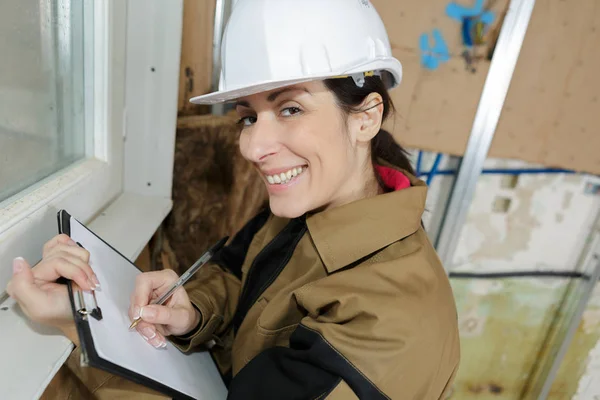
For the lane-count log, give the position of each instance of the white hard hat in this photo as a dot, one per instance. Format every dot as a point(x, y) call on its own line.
point(269, 44)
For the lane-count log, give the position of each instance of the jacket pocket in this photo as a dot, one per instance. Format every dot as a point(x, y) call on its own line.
point(265, 338)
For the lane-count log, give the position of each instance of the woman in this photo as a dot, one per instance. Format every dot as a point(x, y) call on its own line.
point(334, 291)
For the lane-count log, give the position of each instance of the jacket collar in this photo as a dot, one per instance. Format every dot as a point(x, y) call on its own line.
point(345, 234)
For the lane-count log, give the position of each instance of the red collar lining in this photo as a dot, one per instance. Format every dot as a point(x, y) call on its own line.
point(393, 179)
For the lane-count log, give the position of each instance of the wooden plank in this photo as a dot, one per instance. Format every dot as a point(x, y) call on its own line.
point(552, 108)
point(196, 52)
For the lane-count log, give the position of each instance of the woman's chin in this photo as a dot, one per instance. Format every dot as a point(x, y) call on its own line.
point(285, 208)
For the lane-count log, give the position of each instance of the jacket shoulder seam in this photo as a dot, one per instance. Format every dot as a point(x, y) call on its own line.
point(346, 359)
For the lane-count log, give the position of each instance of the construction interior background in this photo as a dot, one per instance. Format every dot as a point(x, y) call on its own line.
point(499, 106)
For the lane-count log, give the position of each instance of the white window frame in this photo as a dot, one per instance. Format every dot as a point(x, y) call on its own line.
point(123, 191)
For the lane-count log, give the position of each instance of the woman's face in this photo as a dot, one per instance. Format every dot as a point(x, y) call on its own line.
point(308, 154)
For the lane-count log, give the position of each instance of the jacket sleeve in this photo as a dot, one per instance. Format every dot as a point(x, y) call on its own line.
point(216, 289)
point(378, 331)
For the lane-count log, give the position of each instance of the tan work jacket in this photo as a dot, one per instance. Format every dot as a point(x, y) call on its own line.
point(347, 303)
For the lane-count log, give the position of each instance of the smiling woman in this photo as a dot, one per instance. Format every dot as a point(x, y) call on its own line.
point(334, 291)
point(300, 131)
point(312, 145)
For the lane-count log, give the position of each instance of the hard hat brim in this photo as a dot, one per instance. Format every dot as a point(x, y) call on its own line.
point(223, 96)
point(390, 64)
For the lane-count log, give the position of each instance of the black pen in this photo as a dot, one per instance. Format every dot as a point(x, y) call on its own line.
point(186, 275)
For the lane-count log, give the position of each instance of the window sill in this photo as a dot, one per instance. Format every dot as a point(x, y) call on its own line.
point(33, 354)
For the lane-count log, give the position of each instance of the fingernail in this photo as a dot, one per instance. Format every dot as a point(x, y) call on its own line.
point(147, 313)
point(95, 280)
point(136, 312)
point(71, 242)
point(92, 285)
point(148, 333)
point(18, 265)
point(157, 342)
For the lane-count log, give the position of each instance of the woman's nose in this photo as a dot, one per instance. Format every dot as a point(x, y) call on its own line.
point(261, 141)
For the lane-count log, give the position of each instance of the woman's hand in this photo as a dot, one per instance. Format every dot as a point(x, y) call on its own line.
point(40, 297)
point(177, 316)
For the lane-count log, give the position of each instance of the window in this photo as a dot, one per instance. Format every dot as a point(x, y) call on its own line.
point(42, 118)
point(88, 109)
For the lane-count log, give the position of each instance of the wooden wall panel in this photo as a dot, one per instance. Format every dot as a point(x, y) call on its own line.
point(196, 52)
point(552, 109)
point(435, 108)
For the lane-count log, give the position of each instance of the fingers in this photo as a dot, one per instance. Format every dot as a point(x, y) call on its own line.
point(176, 319)
point(65, 265)
point(149, 284)
point(23, 289)
point(62, 238)
point(22, 278)
point(151, 335)
point(72, 249)
point(66, 252)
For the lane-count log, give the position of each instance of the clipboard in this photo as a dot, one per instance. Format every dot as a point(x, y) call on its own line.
point(106, 343)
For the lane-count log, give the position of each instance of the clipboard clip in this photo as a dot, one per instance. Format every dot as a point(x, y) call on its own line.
point(83, 309)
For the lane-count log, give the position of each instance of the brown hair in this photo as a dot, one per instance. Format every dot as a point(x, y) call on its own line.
point(349, 96)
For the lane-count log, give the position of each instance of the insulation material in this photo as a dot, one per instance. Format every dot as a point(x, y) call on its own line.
point(550, 116)
point(215, 190)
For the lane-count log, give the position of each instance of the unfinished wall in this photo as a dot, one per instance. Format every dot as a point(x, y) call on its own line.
point(533, 223)
point(550, 116)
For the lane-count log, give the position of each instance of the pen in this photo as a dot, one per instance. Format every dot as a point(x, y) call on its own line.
point(186, 276)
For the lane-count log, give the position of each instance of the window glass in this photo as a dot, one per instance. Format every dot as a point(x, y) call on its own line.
point(42, 124)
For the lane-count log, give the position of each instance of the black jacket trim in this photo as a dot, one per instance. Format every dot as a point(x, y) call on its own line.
point(232, 256)
point(306, 370)
point(267, 266)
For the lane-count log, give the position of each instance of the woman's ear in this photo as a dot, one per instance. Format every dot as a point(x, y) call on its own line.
point(368, 118)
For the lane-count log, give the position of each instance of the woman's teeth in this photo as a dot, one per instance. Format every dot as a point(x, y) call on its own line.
point(285, 177)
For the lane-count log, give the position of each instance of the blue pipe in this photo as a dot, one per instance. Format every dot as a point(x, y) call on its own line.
point(418, 166)
point(507, 171)
point(434, 168)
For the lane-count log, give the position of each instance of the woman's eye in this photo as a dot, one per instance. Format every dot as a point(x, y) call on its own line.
point(289, 111)
point(247, 121)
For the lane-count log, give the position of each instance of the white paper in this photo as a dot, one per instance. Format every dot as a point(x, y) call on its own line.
point(193, 374)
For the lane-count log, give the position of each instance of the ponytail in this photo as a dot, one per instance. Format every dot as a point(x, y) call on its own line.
point(349, 97)
point(385, 147)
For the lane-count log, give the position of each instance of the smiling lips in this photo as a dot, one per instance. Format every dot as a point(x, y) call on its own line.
point(286, 176)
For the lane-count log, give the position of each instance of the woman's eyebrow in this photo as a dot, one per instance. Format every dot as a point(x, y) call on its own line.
point(273, 96)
